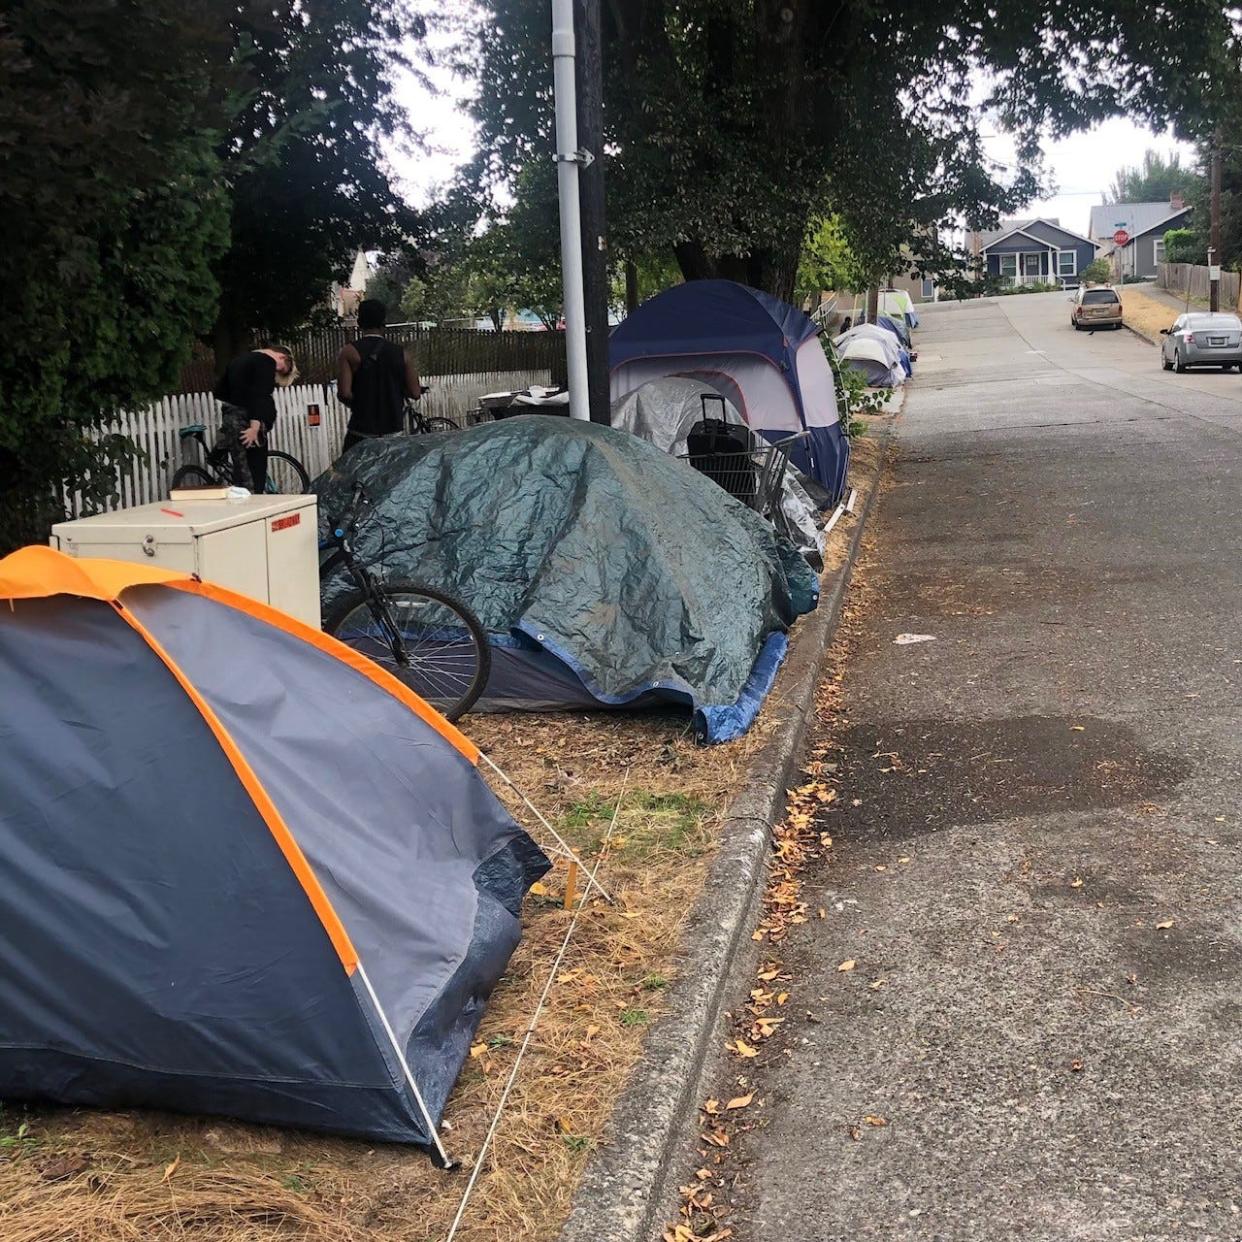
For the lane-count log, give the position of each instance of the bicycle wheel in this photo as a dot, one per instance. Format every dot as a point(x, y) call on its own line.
point(286, 476)
point(193, 476)
point(428, 640)
point(431, 425)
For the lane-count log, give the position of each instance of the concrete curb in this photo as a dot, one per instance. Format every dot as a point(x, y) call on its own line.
point(629, 1189)
point(1142, 336)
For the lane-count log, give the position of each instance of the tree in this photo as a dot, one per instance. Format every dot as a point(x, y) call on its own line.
point(308, 183)
point(113, 214)
point(731, 123)
point(1185, 246)
point(826, 262)
point(1153, 181)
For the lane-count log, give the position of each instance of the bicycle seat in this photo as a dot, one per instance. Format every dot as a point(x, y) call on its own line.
point(194, 429)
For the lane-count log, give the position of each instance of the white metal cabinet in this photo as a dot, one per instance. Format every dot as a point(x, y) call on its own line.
point(264, 546)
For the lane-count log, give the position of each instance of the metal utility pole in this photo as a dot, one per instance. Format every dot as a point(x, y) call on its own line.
point(591, 202)
point(1214, 252)
point(568, 159)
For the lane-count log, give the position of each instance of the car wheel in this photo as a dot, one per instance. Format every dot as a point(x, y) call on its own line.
point(1178, 365)
point(1165, 364)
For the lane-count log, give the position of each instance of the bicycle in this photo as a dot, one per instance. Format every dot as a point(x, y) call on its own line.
point(426, 637)
point(286, 476)
point(419, 424)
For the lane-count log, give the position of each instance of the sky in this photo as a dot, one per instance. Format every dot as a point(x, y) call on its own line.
point(1081, 166)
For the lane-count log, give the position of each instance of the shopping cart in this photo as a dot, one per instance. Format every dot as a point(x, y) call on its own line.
point(732, 456)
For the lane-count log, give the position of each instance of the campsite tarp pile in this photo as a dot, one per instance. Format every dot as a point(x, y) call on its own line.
point(607, 572)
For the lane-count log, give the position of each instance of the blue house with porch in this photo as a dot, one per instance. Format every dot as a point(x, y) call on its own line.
point(1024, 252)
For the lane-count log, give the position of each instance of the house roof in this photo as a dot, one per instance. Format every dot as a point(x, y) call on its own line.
point(1160, 225)
point(1011, 227)
point(988, 236)
point(1135, 218)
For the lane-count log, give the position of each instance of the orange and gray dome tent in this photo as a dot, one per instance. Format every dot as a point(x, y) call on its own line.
point(243, 871)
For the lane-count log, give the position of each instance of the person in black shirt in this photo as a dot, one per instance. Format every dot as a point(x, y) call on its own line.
point(374, 377)
point(248, 409)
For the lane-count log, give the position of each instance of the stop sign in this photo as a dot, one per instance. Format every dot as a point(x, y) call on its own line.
point(1121, 237)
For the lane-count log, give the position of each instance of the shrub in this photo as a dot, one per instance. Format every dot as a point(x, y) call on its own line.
point(1098, 272)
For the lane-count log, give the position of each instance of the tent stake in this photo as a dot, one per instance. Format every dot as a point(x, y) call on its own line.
point(530, 1030)
point(571, 885)
point(556, 836)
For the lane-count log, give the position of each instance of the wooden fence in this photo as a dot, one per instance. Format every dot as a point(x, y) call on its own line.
point(1192, 278)
point(310, 424)
point(437, 351)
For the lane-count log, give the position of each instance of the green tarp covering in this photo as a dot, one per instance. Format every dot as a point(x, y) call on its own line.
point(628, 565)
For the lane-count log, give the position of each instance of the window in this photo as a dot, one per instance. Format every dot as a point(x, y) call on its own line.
point(1009, 266)
point(1158, 246)
point(1067, 262)
point(929, 287)
point(1098, 297)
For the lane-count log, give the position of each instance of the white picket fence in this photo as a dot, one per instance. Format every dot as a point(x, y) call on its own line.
point(310, 424)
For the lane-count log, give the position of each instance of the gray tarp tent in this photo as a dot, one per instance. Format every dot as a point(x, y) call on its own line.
point(607, 573)
point(663, 412)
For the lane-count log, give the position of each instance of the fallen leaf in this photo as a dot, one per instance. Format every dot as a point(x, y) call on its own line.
point(539, 889)
point(877, 985)
point(1165, 925)
point(703, 1174)
point(880, 867)
point(631, 914)
point(716, 1137)
point(742, 1048)
point(171, 1169)
point(564, 1125)
point(1076, 1064)
point(592, 1030)
point(823, 914)
point(782, 998)
point(872, 1120)
point(712, 1107)
point(741, 1101)
point(1013, 918)
point(848, 964)
point(855, 1133)
point(58, 1168)
point(825, 840)
point(477, 1050)
point(757, 935)
point(769, 973)
point(1076, 882)
point(904, 858)
point(568, 976)
point(1078, 728)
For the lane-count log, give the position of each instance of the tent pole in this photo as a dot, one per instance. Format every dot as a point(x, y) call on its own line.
point(568, 157)
point(405, 1066)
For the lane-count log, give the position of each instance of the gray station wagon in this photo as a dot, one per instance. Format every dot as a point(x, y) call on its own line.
point(1202, 340)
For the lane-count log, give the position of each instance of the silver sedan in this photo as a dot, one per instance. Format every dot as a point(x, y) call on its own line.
point(1202, 340)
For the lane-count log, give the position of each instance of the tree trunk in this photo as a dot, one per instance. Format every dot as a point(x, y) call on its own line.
point(228, 339)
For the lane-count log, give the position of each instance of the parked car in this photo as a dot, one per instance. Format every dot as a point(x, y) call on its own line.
point(1095, 306)
point(1202, 340)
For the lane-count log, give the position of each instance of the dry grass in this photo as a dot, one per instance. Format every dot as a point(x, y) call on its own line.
point(1145, 314)
point(76, 1175)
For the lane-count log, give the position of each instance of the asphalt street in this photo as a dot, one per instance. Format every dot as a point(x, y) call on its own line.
point(1036, 848)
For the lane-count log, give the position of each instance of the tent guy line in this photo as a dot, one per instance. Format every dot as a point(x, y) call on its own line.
point(566, 848)
point(534, 1020)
